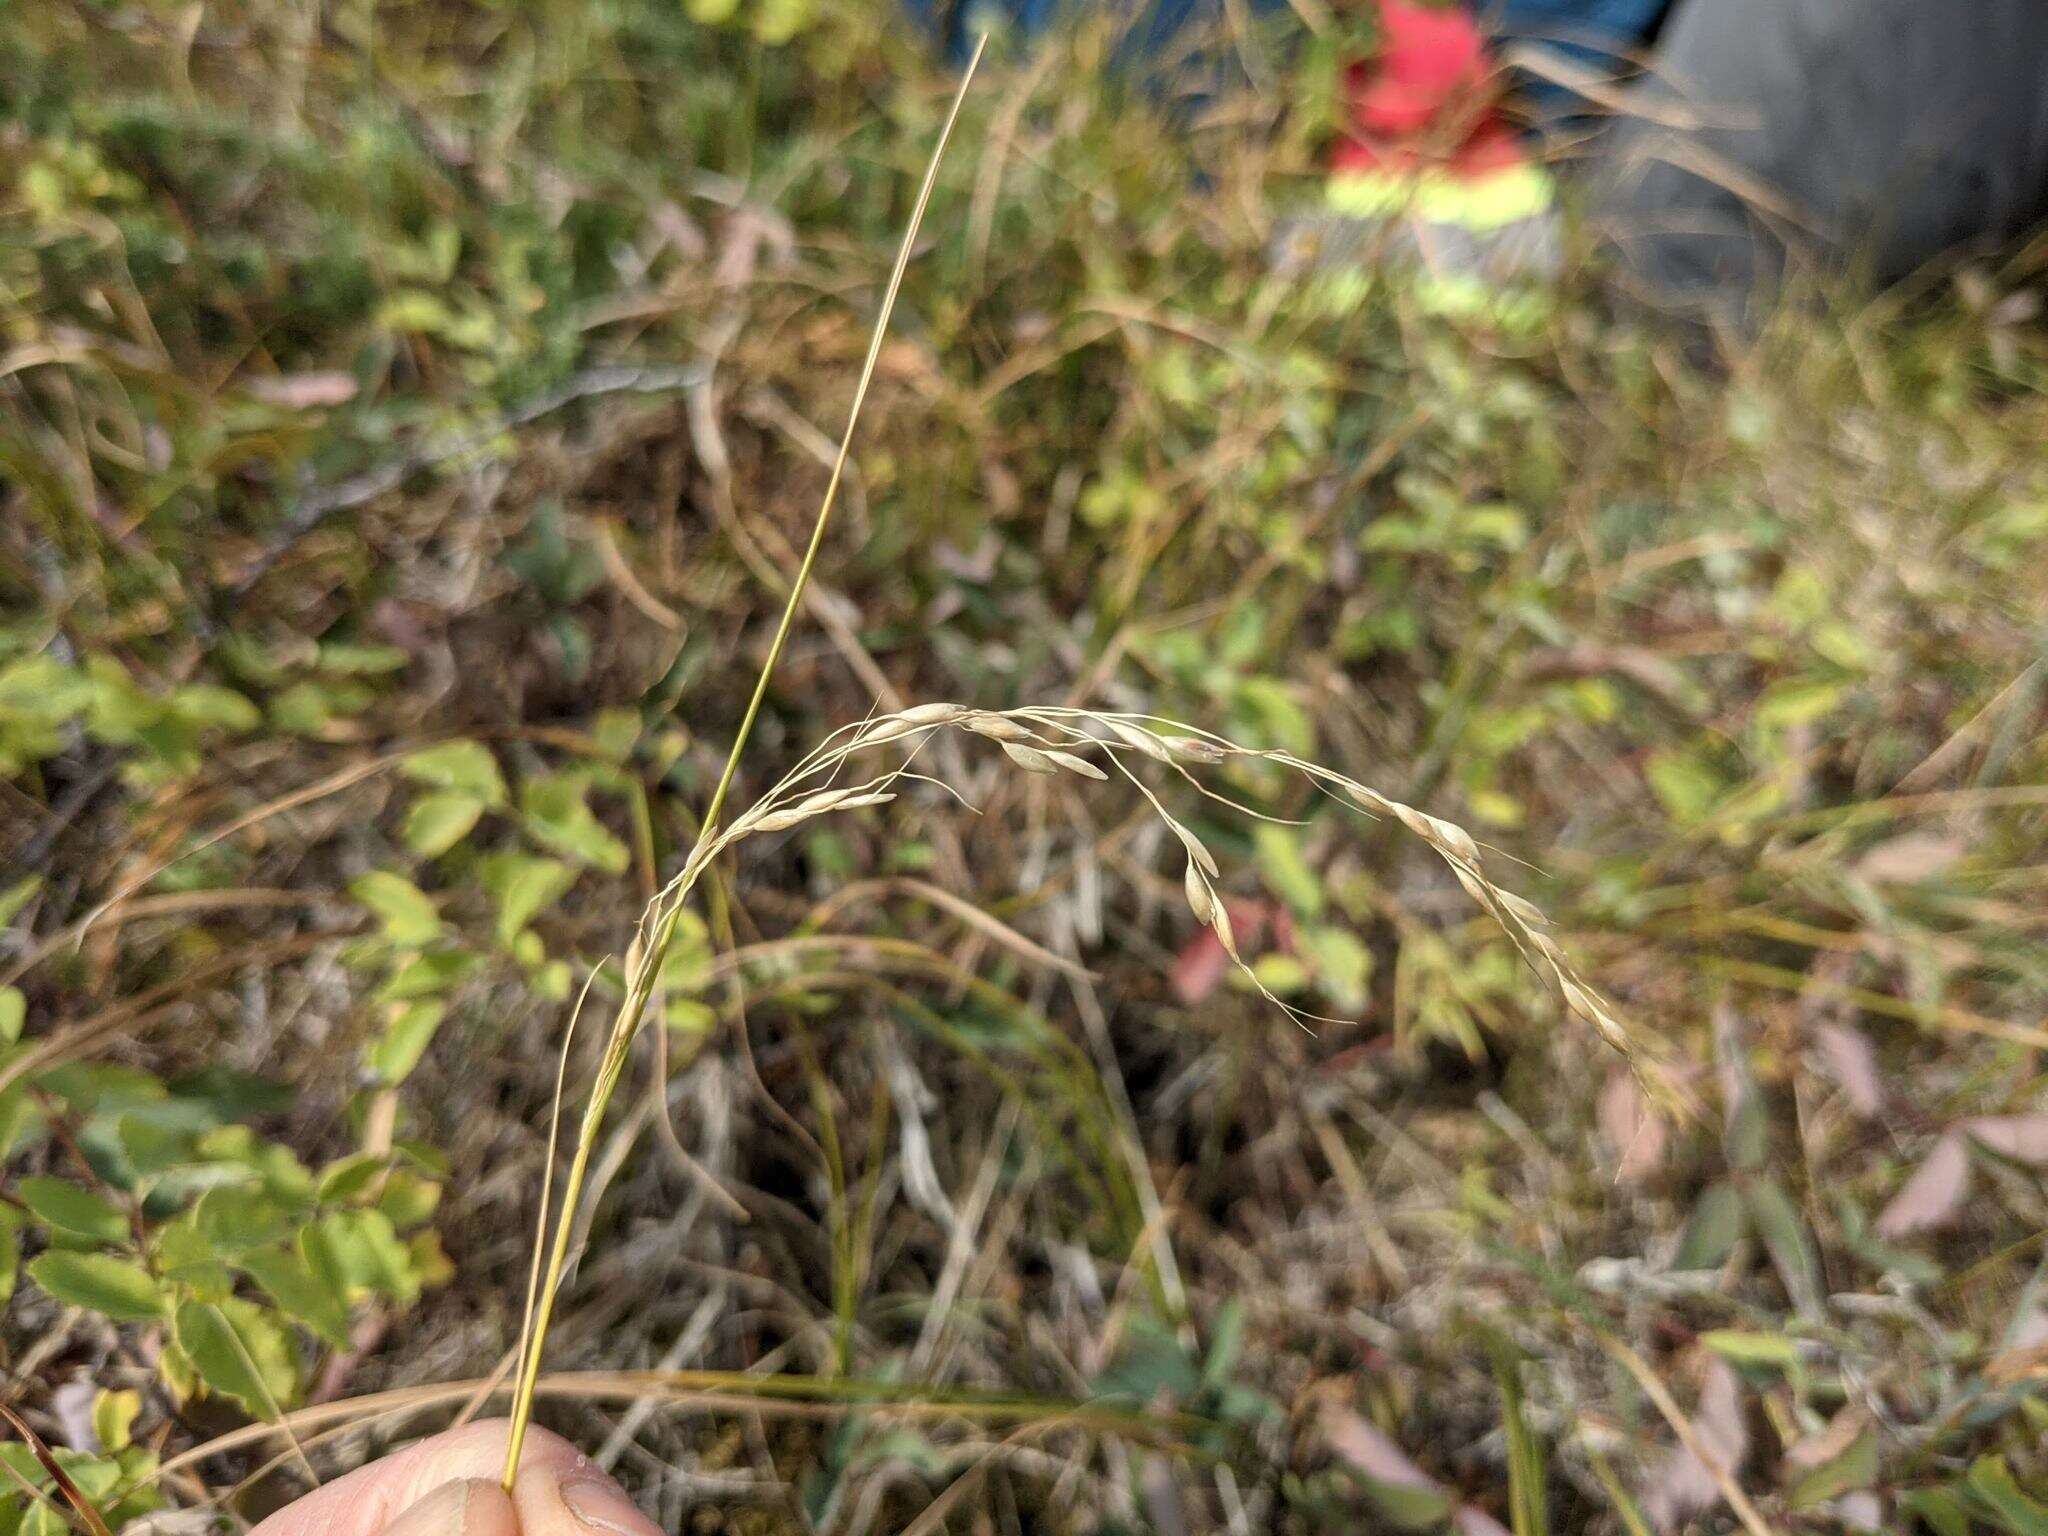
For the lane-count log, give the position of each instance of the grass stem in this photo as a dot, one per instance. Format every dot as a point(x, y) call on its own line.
point(644, 965)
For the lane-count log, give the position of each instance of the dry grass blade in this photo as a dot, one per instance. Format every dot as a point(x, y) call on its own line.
point(812, 1397)
point(656, 929)
point(87, 1512)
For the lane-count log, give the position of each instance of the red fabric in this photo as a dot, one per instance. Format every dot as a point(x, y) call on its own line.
point(1431, 80)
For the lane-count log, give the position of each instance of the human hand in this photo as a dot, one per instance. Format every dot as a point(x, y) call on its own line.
point(449, 1486)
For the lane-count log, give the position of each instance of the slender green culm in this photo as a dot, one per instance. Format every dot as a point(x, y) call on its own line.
point(657, 927)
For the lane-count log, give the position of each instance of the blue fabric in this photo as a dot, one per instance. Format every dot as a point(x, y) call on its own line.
point(1152, 25)
point(1607, 25)
point(1595, 28)
point(1599, 34)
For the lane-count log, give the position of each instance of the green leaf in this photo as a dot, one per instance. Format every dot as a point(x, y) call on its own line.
point(1226, 1340)
point(407, 1034)
point(429, 973)
point(118, 1288)
point(347, 658)
point(307, 708)
point(1783, 1230)
point(208, 704)
point(1854, 1468)
point(425, 1259)
point(406, 912)
point(277, 1167)
point(1942, 1510)
point(241, 1351)
point(185, 1257)
point(297, 1290)
point(464, 766)
point(113, 1418)
point(1285, 871)
point(1797, 702)
point(1714, 1228)
point(1342, 963)
point(438, 822)
point(1743, 1347)
point(407, 1199)
point(1688, 786)
point(1746, 1140)
point(361, 1249)
point(10, 1251)
point(16, 896)
point(341, 1181)
point(1528, 1481)
point(1992, 1481)
point(13, 1014)
point(523, 886)
point(1405, 1505)
point(1151, 1362)
point(73, 1208)
point(238, 1217)
point(560, 819)
point(614, 733)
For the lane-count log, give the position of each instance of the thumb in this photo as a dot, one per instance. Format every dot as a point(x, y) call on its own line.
point(448, 1486)
point(473, 1506)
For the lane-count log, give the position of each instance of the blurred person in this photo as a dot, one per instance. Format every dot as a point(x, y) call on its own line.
point(1724, 141)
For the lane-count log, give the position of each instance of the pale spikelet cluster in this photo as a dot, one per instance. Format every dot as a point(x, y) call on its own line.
point(1047, 742)
point(1089, 744)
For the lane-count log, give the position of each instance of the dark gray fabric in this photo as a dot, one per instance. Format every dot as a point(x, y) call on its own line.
point(1879, 132)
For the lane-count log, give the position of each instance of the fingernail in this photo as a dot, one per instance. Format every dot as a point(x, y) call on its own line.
point(602, 1505)
point(444, 1512)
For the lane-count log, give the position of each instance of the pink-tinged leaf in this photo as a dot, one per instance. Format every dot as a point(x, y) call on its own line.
point(71, 1406)
point(1203, 962)
point(1915, 856)
point(1632, 1127)
point(1852, 1063)
point(303, 391)
point(1470, 1520)
point(1199, 967)
point(1368, 1449)
point(2023, 1138)
point(750, 230)
point(1826, 1444)
point(1687, 1486)
point(1933, 1195)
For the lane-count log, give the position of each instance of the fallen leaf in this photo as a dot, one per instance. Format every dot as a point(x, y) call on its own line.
point(1915, 856)
point(1932, 1196)
point(1853, 1064)
point(1199, 967)
point(303, 391)
point(1687, 1486)
point(1632, 1127)
point(1369, 1449)
point(71, 1406)
point(1163, 1502)
point(1823, 1446)
point(748, 231)
point(2023, 1138)
point(1371, 1452)
point(1471, 1520)
point(1203, 962)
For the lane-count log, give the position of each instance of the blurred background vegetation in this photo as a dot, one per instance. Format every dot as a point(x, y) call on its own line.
point(409, 413)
